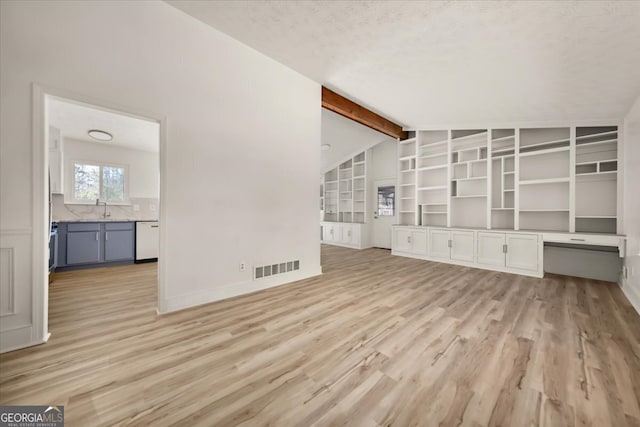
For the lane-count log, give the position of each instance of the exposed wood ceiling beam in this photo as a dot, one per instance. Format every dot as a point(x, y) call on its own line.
point(349, 109)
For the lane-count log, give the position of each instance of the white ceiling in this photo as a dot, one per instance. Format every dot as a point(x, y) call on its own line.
point(450, 63)
point(75, 120)
point(346, 138)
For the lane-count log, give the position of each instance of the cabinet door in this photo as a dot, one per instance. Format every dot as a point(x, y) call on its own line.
point(55, 160)
point(522, 251)
point(83, 247)
point(439, 245)
point(402, 240)
point(329, 232)
point(491, 248)
point(462, 246)
point(118, 245)
point(355, 235)
point(346, 234)
point(419, 242)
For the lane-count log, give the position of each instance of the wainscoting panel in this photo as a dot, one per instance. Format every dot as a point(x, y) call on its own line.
point(16, 284)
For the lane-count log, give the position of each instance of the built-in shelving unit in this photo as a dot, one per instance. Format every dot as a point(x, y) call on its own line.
point(548, 179)
point(331, 195)
point(468, 181)
point(596, 172)
point(544, 167)
point(343, 191)
point(407, 164)
point(502, 154)
point(432, 180)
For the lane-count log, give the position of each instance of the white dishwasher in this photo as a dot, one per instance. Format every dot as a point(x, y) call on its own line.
point(147, 241)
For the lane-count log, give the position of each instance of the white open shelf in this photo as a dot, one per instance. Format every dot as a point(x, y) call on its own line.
point(560, 178)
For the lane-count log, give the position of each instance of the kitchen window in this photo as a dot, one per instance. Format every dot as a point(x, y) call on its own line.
point(94, 180)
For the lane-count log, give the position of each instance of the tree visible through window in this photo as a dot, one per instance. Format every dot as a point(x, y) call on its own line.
point(96, 181)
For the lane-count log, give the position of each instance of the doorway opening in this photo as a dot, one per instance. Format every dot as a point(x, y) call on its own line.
point(99, 203)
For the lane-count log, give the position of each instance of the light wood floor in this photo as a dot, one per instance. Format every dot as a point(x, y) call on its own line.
point(377, 340)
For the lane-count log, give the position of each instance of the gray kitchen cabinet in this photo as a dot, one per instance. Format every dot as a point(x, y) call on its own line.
point(83, 243)
point(93, 244)
point(119, 241)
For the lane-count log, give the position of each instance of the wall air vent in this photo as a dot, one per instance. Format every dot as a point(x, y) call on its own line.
point(273, 269)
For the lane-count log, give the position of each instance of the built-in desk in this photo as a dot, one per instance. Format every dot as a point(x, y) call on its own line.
point(591, 255)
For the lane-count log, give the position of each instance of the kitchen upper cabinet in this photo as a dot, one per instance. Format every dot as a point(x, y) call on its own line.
point(56, 167)
point(119, 241)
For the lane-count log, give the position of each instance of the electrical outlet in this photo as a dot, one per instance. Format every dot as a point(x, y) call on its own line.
point(136, 208)
point(152, 207)
point(243, 266)
point(625, 272)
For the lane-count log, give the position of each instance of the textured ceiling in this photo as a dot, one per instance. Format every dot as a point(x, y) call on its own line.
point(455, 63)
point(75, 120)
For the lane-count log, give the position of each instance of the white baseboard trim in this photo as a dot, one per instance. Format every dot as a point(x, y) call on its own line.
point(17, 338)
point(632, 294)
point(182, 302)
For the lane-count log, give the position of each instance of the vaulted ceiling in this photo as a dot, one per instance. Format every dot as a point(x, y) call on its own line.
point(425, 64)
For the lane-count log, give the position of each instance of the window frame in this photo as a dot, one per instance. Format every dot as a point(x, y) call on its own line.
point(71, 198)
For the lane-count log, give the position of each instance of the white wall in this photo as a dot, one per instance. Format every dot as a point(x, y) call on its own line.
point(346, 138)
point(631, 171)
point(144, 166)
point(384, 161)
point(241, 154)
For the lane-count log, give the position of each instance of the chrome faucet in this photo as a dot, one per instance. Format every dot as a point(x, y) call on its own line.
point(105, 214)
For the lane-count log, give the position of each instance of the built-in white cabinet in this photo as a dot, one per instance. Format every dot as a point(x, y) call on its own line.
point(491, 248)
point(56, 169)
point(410, 241)
point(343, 203)
point(462, 245)
point(343, 234)
point(451, 244)
point(523, 251)
point(512, 250)
point(350, 234)
point(439, 243)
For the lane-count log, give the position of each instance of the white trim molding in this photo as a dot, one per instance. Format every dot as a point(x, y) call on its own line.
point(7, 282)
point(181, 302)
point(17, 280)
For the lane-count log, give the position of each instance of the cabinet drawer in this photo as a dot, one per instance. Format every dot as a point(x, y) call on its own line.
point(83, 226)
point(581, 239)
point(115, 226)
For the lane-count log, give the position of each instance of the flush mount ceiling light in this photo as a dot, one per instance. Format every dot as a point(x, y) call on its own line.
point(100, 135)
point(325, 147)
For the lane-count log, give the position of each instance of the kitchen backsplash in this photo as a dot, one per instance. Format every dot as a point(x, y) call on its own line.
point(147, 210)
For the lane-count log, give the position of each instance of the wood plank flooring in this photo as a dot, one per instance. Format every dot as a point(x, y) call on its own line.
point(376, 341)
